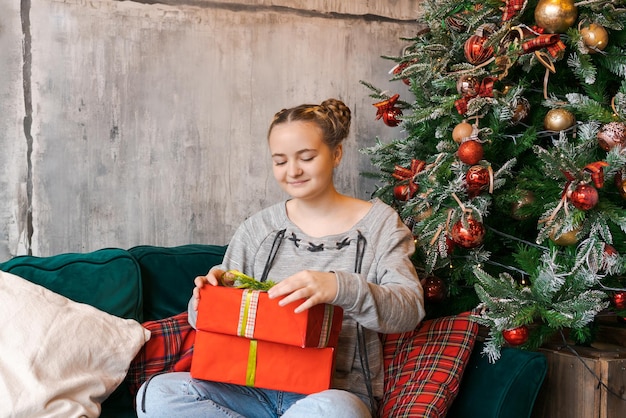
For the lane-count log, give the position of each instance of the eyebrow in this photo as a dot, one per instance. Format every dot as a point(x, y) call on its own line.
point(302, 151)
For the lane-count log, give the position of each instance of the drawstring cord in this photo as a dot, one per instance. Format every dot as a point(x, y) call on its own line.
point(361, 242)
point(145, 389)
point(278, 239)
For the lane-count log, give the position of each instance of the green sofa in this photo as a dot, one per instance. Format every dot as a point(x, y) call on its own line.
point(149, 283)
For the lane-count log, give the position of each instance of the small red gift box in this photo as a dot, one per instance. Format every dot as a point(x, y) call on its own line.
point(261, 364)
point(252, 314)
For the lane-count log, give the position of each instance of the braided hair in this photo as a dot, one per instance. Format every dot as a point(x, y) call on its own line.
point(332, 116)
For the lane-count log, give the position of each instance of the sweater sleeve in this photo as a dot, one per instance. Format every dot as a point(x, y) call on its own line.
point(238, 256)
point(388, 298)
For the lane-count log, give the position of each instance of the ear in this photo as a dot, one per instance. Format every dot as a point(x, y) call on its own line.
point(338, 154)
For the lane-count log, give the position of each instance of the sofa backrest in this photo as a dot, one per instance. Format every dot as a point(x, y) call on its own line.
point(144, 283)
point(108, 279)
point(168, 274)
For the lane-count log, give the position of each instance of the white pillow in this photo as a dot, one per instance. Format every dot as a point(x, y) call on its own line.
point(59, 358)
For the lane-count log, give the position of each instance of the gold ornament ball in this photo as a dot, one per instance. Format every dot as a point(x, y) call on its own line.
point(461, 131)
point(423, 214)
point(566, 239)
point(556, 16)
point(595, 37)
point(558, 120)
point(526, 198)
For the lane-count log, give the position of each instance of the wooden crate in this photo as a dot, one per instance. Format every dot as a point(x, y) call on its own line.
point(571, 390)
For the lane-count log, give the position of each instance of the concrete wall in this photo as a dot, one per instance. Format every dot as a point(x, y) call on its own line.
point(126, 123)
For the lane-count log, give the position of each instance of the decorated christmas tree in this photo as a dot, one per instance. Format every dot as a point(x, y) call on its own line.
point(511, 168)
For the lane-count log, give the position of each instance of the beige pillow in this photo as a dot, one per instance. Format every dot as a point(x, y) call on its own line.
point(59, 358)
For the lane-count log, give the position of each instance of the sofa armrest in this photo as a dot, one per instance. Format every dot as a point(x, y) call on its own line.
point(424, 367)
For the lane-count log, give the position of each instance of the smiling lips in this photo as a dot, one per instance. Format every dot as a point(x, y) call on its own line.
point(297, 182)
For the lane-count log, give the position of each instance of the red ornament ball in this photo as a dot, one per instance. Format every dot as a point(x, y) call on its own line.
point(390, 117)
point(404, 192)
point(477, 179)
point(619, 300)
point(612, 135)
point(450, 245)
point(475, 51)
point(434, 289)
point(609, 250)
point(469, 237)
point(470, 152)
point(516, 336)
point(584, 197)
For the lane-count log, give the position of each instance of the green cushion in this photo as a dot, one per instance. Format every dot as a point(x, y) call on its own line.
point(108, 279)
point(505, 389)
point(168, 274)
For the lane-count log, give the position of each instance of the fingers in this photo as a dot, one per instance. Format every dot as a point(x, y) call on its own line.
point(309, 295)
point(200, 281)
point(312, 286)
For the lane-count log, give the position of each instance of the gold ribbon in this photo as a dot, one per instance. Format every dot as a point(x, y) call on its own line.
point(247, 313)
point(251, 370)
point(326, 326)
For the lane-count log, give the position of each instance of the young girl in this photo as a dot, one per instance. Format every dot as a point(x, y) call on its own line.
point(323, 247)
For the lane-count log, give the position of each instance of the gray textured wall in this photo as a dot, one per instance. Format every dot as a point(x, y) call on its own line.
point(126, 123)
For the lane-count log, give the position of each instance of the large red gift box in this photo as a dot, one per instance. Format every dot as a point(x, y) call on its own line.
point(262, 364)
point(252, 314)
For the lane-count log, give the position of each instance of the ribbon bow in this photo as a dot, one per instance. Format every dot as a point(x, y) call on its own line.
point(552, 43)
point(485, 89)
point(597, 172)
point(408, 174)
point(511, 8)
point(388, 111)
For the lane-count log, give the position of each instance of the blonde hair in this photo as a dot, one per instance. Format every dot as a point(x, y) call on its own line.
point(332, 116)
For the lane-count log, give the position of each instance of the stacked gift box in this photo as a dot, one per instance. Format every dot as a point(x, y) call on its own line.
point(246, 338)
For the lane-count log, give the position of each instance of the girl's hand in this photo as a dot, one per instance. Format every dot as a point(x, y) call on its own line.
point(314, 286)
point(211, 278)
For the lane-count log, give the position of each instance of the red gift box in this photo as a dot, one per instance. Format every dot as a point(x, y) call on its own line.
point(252, 314)
point(261, 364)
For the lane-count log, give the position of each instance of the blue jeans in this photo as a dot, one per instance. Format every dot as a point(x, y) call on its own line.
point(178, 395)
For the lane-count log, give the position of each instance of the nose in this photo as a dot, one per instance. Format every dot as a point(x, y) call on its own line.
point(294, 169)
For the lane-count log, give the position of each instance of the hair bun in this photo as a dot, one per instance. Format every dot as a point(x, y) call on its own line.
point(340, 113)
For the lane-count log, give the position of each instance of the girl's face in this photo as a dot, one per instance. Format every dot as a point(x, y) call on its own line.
point(303, 163)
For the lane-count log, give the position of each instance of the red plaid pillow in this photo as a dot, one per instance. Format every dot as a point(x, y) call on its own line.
point(424, 367)
point(170, 348)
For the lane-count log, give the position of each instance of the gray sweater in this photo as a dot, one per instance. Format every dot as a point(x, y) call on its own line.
point(386, 297)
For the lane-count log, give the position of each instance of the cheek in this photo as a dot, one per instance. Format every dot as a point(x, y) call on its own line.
point(278, 172)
